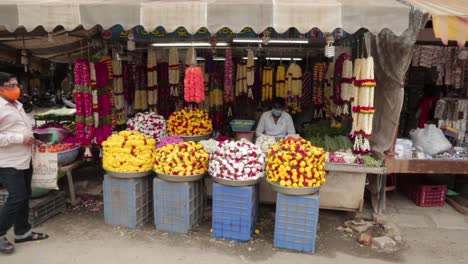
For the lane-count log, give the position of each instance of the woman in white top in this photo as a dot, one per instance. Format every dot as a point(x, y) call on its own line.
point(276, 122)
point(15, 165)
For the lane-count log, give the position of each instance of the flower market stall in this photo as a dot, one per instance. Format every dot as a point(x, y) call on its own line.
point(180, 99)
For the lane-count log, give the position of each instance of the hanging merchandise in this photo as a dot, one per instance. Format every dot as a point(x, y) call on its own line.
point(194, 85)
point(337, 99)
point(355, 97)
point(118, 92)
point(174, 71)
point(191, 57)
point(452, 115)
point(216, 99)
point(165, 108)
point(328, 92)
point(129, 83)
point(104, 127)
point(241, 79)
point(294, 87)
point(257, 88)
point(250, 73)
point(107, 60)
point(141, 93)
point(364, 106)
point(280, 89)
point(318, 93)
point(228, 89)
point(307, 89)
point(84, 104)
point(152, 77)
point(94, 94)
point(267, 84)
point(346, 85)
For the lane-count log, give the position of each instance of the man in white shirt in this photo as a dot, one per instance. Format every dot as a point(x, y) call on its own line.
point(276, 123)
point(16, 141)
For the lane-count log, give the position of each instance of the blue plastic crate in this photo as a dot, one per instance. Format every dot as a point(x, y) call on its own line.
point(234, 212)
point(127, 202)
point(296, 222)
point(178, 206)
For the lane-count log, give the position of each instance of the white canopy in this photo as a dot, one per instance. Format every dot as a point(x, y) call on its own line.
point(304, 15)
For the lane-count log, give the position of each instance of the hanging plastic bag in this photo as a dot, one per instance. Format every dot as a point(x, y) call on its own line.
point(45, 168)
point(430, 139)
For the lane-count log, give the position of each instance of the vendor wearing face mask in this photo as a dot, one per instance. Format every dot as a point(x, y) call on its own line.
point(16, 139)
point(277, 122)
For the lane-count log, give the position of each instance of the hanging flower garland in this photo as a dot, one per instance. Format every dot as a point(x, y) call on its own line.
point(164, 106)
point(104, 127)
point(129, 83)
point(294, 87)
point(191, 57)
point(194, 85)
point(328, 91)
point(355, 97)
point(107, 60)
point(118, 91)
point(152, 77)
point(216, 99)
point(78, 94)
point(365, 106)
point(250, 73)
point(337, 99)
point(267, 84)
point(241, 79)
point(174, 71)
point(280, 89)
point(257, 88)
point(307, 96)
point(228, 91)
point(141, 95)
point(346, 85)
point(318, 92)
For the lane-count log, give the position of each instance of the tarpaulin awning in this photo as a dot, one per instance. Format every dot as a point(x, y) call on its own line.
point(449, 18)
point(327, 15)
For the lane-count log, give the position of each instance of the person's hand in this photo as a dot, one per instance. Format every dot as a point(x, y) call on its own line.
point(38, 142)
point(28, 140)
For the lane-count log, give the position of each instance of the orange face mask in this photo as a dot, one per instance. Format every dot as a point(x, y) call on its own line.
point(11, 94)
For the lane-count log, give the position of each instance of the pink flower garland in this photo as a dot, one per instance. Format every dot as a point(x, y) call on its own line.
point(84, 103)
point(228, 87)
point(194, 85)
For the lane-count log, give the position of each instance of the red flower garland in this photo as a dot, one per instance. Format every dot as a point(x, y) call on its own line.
point(194, 85)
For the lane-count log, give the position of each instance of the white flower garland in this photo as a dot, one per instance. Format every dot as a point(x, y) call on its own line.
point(152, 80)
point(250, 73)
point(174, 71)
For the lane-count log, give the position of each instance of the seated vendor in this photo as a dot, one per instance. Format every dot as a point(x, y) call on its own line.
point(277, 122)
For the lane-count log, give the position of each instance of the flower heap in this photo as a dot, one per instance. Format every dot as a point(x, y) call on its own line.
point(267, 84)
point(194, 85)
point(169, 140)
point(237, 160)
point(128, 151)
point(182, 159)
point(295, 163)
point(363, 104)
point(189, 122)
point(149, 124)
point(152, 80)
point(265, 142)
point(85, 129)
point(210, 145)
point(294, 87)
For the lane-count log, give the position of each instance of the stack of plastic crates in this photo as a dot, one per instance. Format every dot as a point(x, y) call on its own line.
point(178, 206)
point(234, 212)
point(127, 202)
point(296, 222)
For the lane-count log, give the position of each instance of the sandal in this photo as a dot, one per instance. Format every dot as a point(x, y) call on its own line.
point(6, 247)
point(32, 237)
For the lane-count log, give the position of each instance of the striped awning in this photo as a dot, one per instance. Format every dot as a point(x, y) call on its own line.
point(327, 15)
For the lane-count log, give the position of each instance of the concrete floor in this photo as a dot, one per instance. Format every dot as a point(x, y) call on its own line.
point(80, 236)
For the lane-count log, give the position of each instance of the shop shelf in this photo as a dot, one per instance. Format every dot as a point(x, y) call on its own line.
point(127, 202)
point(178, 206)
point(234, 212)
point(296, 222)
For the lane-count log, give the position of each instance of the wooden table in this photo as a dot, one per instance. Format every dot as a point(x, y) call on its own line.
point(419, 166)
